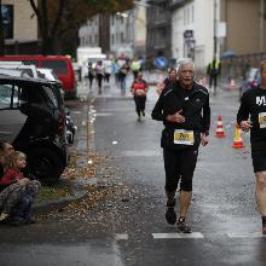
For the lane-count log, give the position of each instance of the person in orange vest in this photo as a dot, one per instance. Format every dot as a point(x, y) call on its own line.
point(213, 71)
point(252, 116)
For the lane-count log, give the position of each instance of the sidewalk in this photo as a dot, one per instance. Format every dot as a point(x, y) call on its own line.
point(81, 177)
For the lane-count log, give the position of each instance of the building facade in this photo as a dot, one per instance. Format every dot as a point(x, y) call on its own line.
point(89, 33)
point(193, 30)
point(20, 27)
point(209, 29)
point(158, 30)
point(121, 34)
point(246, 26)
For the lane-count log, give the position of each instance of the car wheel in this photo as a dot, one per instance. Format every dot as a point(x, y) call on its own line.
point(45, 164)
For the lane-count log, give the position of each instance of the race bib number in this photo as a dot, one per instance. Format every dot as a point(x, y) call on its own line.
point(262, 120)
point(184, 137)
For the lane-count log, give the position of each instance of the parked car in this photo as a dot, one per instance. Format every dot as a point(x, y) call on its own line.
point(61, 65)
point(32, 118)
point(71, 128)
point(252, 80)
point(47, 74)
point(27, 71)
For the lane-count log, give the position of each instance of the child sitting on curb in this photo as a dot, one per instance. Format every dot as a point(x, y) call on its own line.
point(17, 198)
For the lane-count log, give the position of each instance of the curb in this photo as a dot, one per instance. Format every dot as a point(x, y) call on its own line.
point(58, 204)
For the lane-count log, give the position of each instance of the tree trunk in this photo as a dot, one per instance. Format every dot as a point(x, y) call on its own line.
point(2, 37)
point(48, 45)
point(46, 40)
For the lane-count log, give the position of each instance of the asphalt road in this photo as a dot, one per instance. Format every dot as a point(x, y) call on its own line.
point(132, 230)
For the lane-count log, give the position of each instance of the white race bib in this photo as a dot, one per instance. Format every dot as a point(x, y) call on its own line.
point(184, 137)
point(262, 120)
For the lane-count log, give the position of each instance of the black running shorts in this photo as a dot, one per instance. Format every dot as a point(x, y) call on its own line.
point(259, 160)
point(179, 164)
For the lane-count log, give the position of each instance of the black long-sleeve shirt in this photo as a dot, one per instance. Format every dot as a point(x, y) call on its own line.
point(253, 106)
point(193, 102)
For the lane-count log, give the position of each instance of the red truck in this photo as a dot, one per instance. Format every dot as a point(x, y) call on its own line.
point(61, 65)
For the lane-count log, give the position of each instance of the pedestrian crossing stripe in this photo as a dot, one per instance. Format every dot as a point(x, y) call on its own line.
point(194, 235)
point(246, 235)
point(121, 237)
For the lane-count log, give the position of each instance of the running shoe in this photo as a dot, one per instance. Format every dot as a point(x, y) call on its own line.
point(182, 227)
point(170, 215)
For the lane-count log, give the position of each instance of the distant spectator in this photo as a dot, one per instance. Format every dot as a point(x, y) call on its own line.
point(107, 70)
point(91, 74)
point(171, 80)
point(99, 69)
point(6, 150)
point(213, 71)
point(135, 67)
point(122, 77)
point(115, 70)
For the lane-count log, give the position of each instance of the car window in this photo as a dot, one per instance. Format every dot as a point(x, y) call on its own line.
point(59, 67)
point(27, 73)
point(51, 96)
point(8, 96)
point(30, 62)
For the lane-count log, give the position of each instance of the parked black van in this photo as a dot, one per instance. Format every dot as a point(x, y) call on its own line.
point(32, 118)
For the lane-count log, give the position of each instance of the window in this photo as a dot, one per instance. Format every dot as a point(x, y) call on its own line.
point(30, 62)
point(192, 13)
point(59, 67)
point(113, 39)
point(51, 96)
point(122, 37)
point(8, 96)
point(7, 15)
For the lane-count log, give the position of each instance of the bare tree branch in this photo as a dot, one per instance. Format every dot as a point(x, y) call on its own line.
point(2, 37)
point(38, 14)
point(58, 17)
point(45, 18)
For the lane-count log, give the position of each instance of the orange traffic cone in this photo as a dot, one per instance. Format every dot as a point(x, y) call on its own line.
point(219, 133)
point(238, 141)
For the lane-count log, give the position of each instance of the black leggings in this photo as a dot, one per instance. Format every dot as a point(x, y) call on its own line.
point(140, 102)
point(179, 164)
point(99, 79)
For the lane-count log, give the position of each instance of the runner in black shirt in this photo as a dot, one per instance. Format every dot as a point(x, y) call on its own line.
point(185, 112)
point(253, 106)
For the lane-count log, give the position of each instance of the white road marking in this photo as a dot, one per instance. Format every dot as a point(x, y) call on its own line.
point(121, 237)
point(194, 235)
point(246, 235)
point(104, 114)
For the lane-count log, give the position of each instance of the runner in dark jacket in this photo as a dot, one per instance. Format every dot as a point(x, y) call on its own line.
point(185, 112)
point(253, 107)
